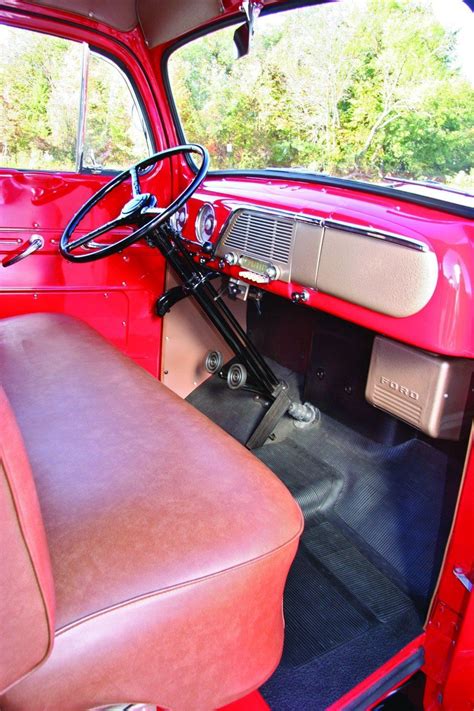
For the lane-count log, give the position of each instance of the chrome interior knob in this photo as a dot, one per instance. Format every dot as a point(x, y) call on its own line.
point(230, 258)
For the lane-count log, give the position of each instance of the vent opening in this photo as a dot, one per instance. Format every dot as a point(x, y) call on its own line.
point(262, 236)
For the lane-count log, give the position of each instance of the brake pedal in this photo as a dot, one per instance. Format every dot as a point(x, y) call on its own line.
point(236, 376)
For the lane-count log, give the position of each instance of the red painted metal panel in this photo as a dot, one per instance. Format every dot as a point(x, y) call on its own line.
point(115, 295)
point(450, 630)
point(459, 687)
point(252, 702)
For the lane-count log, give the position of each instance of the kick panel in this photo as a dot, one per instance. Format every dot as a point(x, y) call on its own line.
point(427, 391)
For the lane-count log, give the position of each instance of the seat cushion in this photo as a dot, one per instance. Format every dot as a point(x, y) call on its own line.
point(26, 583)
point(169, 541)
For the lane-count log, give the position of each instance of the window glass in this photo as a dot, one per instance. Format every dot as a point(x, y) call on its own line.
point(115, 135)
point(40, 84)
point(41, 93)
point(364, 89)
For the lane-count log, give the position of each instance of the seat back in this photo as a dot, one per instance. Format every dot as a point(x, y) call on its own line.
point(26, 583)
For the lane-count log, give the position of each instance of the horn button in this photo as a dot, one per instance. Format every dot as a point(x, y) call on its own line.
point(137, 204)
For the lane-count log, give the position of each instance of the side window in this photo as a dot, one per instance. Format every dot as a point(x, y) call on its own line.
point(40, 87)
point(65, 107)
point(115, 130)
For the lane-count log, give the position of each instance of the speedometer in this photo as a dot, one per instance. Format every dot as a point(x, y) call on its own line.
point(205, 223)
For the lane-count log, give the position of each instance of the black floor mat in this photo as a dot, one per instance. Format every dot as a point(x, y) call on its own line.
point(375, 530)
point(334, 594)
point(388, 500)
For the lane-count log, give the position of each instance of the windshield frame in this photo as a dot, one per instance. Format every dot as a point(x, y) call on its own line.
point(288, 173)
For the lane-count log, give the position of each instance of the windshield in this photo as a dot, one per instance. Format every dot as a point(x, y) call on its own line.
point(375, 90)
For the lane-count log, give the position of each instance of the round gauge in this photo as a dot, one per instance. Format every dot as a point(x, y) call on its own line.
point(205, 223)
point(178, 219)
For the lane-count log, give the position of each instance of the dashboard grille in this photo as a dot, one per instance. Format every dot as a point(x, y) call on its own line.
point(261, 235)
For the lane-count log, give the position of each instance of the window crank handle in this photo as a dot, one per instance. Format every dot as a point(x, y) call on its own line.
point(35, 242)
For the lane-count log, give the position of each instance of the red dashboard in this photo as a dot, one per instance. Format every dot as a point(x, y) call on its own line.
point(444, 322)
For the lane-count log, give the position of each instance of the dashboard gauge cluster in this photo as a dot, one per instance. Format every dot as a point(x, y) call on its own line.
point(178, 219)
point(205, 223)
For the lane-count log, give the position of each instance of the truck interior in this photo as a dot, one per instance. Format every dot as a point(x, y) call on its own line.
point(236, 404)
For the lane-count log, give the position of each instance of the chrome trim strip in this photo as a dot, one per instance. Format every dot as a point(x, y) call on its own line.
point(378, 234)
point(81, 128)
point(370, 232)
point(286, 214)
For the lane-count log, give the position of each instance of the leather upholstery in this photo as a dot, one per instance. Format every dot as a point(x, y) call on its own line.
point(26, 584)
point(169, 542)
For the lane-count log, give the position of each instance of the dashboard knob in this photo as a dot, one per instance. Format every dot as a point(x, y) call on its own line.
point(300, 297)
point(230, 258)
point(272, 272)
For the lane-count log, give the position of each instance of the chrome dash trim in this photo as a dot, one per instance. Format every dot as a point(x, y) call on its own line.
point(286, 214)
point(370, 232)
point(374, 233)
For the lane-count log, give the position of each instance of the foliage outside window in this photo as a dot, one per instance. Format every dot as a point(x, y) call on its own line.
point(40, 82)
point(115, 135)
point(361, 89)
point(40, 99)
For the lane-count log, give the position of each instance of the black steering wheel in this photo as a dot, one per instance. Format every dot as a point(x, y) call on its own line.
point(141, 207)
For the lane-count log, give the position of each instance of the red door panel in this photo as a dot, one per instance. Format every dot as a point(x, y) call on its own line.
point(110, 292)
point(114, 295)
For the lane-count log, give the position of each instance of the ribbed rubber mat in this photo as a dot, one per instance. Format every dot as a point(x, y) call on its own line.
point(333, 595)
point(395, 506)
point(388, 500)
point(363, 581)
point(318, 618)
point(377, 520)
point(238, 412)
point(392, 502)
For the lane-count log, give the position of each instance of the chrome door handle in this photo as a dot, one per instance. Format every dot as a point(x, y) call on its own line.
point(35, 242)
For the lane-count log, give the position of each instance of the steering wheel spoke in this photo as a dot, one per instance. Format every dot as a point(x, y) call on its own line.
point(135, 182)
point(134, 212)
point(103, 229)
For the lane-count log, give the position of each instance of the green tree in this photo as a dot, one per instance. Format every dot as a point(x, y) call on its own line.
point(38, 122)
point(40, 88)
point(363, 89)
